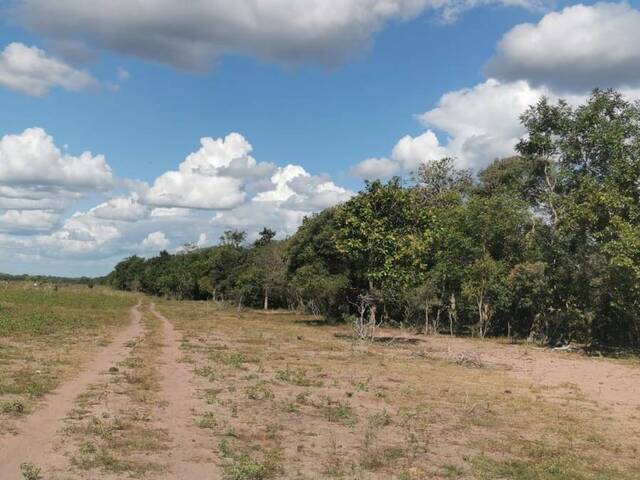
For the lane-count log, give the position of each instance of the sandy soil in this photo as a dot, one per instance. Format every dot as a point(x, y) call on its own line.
point(38, 439)
point(283, 387)
point(191, 454)
point(614, 386)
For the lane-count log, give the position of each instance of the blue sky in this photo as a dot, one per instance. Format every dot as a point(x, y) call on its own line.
point(324, 120)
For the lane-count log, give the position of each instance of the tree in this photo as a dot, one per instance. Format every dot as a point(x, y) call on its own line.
point(484, 285)
point(265, 237)
point(386, 235)
point(272, 266)
point(596, 209)
point(233, 238)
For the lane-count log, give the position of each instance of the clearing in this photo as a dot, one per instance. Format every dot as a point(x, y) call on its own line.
point(102, 385)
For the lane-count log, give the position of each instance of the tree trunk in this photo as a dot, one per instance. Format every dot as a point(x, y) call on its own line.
point(452, 312)
point(426, 317)
point(372, 321)
point(266, 299)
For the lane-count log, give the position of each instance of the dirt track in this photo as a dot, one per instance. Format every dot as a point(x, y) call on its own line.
point(613, 388)
point(38, 440)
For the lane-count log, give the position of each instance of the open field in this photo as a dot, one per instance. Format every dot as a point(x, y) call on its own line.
point(46, 335)
point(188, 390)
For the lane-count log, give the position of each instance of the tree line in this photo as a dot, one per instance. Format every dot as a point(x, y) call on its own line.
point(543, 245)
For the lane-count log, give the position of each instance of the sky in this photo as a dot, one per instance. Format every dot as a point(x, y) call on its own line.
point(129, 126)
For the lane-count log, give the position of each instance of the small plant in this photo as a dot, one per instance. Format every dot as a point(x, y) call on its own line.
point(245, 468)
point(208, 420)
point(297, 377)
point(259, 391)
point(339, 412)
point(15, 407)
point(381, 419)
point(362, 385)
point(211, 395)
point(303, 398)
point(30, 471)
point(88, 448)
point(206, 371)
point(224, 449)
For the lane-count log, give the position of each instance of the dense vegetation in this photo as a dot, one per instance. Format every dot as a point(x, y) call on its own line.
point(543, 245)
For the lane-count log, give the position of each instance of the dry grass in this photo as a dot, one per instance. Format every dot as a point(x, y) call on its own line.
point(342, 409)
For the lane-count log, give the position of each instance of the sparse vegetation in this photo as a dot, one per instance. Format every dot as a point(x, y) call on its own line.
point(30, 471)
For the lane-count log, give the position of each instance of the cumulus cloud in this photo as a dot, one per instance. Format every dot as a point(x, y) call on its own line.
point(476, 125)
point(32, 158)
point(35, 174)
point(574, 50)
point(214, 177)
point(31, 71)
point(371, 168)
point(482, 123)
point(219, 186)
point(125, 209)
point(190, 35)
point(155, 241)
point(28, 221)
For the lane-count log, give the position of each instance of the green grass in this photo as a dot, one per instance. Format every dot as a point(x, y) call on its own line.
point(24, 309)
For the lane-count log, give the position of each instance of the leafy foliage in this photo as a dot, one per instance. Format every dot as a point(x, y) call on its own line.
point(543, 245)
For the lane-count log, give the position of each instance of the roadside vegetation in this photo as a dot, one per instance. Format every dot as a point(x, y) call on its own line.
point(45, 333)
point(541, 246)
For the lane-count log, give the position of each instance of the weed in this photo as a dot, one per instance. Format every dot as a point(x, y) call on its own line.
point(245, 468)
point(15, 407)
point(208, 420)
point(339, 412)
point(259, 391)
point(380, 419)
point(452, 471)
point(303, 398)
point(30, 471)
point(297, 377)
point(224, 449)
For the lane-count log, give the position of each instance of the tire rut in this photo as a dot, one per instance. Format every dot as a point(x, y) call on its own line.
point(38, 438)
point(191, 456)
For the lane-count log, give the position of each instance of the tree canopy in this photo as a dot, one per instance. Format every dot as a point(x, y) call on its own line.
point(542, 245)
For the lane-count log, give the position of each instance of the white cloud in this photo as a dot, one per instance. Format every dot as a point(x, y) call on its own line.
point(28, 221)
point(35, 174)
point(576, 49)
point(410, 151)
point(482, 123)
point(30, 71)
point(372, 168)
point(192, 34)
point(155, 241)
point(126, 209)
point(31, 158)
point(477, 124)
point(214, 177)
point(217, 187)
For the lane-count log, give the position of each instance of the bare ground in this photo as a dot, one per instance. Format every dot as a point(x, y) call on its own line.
point(194, 392)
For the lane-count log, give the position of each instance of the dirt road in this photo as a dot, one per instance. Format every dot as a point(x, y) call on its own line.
point(191, 454)
point(168, 402)
point(38, 439)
